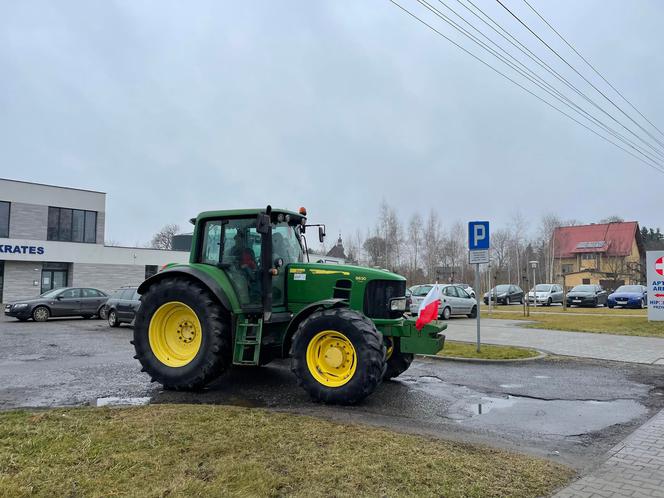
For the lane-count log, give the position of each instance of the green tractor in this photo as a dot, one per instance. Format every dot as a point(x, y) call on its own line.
point(249, 295)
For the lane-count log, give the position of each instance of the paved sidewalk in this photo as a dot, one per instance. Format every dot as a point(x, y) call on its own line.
point(635, 467)
point(631, 349)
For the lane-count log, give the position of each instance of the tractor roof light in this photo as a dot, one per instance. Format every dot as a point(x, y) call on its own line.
point(303, 211)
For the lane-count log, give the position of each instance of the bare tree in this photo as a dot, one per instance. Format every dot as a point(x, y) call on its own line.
point(163, 239)
point(431, 244)
point(612, 219)
point(548, 225)
point(375, 249)
point(414, 241)
point(500, 244)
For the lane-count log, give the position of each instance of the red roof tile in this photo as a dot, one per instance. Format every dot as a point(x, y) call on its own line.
point(617, 238)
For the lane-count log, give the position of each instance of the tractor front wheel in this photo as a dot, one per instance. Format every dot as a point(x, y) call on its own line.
point(338, 356)
point(181, 335)
point(397, 362)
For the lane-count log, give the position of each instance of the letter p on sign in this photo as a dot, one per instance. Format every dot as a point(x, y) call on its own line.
point(478, 235)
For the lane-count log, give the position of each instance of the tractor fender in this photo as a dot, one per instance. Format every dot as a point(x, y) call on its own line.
point(303, 314)
point(191, 274)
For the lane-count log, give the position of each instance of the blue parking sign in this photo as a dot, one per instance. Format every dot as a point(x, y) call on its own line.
point(478, 235)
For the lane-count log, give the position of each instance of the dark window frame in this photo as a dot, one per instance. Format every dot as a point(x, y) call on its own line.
point(151, 270)
point(9, 217)
point(55, 230)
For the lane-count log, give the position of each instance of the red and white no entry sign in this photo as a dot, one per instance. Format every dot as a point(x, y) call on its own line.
point(659, 266)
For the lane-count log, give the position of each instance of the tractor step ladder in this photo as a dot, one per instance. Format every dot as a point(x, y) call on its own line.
point(247, 349)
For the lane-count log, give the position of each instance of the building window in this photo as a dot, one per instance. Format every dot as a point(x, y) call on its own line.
point(568, 268)
point(72, 225)
point(150, 270)
point(585, 281)
point(4, 219)
point(588, 255)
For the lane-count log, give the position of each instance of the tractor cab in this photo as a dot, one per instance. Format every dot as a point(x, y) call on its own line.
point(254, 248)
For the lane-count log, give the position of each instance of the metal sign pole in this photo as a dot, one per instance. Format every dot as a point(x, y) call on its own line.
point(477, 286)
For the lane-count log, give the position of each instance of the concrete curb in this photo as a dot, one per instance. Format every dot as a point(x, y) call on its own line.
point(541, 355)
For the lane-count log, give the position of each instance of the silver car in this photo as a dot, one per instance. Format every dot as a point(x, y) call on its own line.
point(546, 294)
point(455, 301)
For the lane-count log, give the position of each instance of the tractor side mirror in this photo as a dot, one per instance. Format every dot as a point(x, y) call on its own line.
point(321, 234)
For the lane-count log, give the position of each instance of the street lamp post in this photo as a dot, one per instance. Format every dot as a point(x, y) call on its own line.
point(533, 264)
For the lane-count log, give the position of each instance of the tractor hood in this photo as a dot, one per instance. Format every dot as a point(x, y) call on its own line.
point(347, 271)
point(367, 289)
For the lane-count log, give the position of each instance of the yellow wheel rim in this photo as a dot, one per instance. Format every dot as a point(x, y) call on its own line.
point(331, 358)
point(175, 334)
point(389, 348)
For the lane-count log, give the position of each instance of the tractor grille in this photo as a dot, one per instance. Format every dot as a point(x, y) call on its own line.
point(377, 298)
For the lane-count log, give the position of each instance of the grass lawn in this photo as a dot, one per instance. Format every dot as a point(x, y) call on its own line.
point(203, 450)
point(574, 322)
point(487, 351)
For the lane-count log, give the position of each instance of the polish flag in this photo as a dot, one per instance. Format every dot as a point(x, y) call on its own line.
point(428, 310)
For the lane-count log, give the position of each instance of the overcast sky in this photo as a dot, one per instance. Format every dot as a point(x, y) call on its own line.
point(177, 107)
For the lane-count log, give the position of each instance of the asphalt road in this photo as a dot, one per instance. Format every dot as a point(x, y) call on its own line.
point(569, 410)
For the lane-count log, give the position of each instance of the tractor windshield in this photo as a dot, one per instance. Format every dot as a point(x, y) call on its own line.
point(286, 243)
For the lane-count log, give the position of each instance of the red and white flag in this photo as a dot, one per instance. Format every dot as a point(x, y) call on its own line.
point(428, 310)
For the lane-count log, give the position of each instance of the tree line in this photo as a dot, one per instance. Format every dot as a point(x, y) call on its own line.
point(425, 249)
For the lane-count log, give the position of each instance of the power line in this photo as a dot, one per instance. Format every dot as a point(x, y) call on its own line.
point(584, 78)
point(532, 56)
point(554, 92)
point(592, 67)
point(479, 59)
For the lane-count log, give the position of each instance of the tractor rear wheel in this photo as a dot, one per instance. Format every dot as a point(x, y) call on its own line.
point(397, 362)
point(181, 335)
point(338, 356)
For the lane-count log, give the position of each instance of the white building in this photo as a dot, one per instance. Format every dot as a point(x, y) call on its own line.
point(54, 237)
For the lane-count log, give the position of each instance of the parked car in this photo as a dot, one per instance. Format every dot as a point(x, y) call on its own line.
point(505, 294)
point(455, 301)
point(546, 294)
point(418, 292)
point(629, 296)
point(467, 288)
point(587, 295)
point(122, 306)
point(66, 301)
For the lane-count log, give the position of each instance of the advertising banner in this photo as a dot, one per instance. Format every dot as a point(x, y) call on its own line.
point(655, 275)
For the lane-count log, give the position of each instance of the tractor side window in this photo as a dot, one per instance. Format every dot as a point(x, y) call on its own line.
point(211, 242)
point(242, 253)
point(286, 245)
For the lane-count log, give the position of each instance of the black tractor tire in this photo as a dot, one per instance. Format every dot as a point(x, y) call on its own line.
point(40, 314)
point(214, 355)
point(398, 362)
point(112, 318)
point(369, 349)
point(473, 312)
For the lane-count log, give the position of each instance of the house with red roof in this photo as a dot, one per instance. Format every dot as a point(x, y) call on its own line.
point(608, 254)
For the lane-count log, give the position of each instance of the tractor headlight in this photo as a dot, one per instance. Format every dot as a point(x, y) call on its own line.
point(398, 304)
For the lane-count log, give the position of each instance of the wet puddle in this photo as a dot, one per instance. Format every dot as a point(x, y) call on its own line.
point(541, 416)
